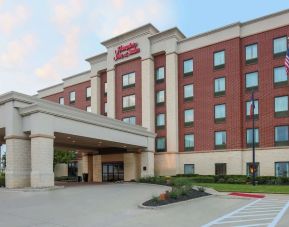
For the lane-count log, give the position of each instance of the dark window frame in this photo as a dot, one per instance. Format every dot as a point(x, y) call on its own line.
point(156, 95)
point(223, 119)
point(188, 73)
point(252, 61)
point(189, 148)
point(189, 123)
point(191, 98)
point(281, 143)
point(222, 66)
point(280, 114)
point(220, 146)
point(129, 85)
point(156, 122)
point(158, 81)
point(72, 101)
point(280, 54)
point(165, 147)
point(129, 108)
point(282, 83)
point(249, 145)
point(253, 88)
point(223, 170)
point(219, 93)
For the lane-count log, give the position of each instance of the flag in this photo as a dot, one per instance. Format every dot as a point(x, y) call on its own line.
point(252, 106)
point(287, 62)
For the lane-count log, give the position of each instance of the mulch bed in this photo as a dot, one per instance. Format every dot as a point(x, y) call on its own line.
point(192, 194)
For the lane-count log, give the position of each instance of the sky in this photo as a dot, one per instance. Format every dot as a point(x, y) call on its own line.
point(42, 42)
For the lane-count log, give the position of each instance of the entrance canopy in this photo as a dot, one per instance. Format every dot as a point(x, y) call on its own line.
point(32, 127)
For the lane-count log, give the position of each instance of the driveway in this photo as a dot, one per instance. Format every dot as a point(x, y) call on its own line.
point(109, 205)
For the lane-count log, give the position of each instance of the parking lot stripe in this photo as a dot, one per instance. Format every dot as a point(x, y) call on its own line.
point(259, 224)
point(280, 215)
point(251, 215)
point(248, 220)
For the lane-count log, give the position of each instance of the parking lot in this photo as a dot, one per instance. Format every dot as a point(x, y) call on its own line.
point(117, 205)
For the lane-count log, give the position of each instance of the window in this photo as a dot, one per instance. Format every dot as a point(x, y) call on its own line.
point(88, 93)
point(249, 169)
point(72, 97)
point(188, 92)
point(281, 106)
point(252, 81)
point(105, 88)
point(105, 107)
point(161, 144)
point(88, 108)
point(128, 80)
point(280, 76)
point(189, 117)
point(160, 74)
point(281, 135)
point(248, 109)
point(128, 102)
point(252, 54)
point(189, 142)
point(280, 46)
point(282, 169)
point(61, 100)
point(249, 137)
point(160, 120)
point(220, 86)
point(188, 67)
point(160, 97)
point(220, 168)
point(220, 113)
point(189, 169)
point(220, 140)
point(130, 120)
point(219, 60)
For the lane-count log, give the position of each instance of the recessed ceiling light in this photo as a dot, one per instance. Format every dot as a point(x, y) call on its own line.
point(68, 137)
point(73, 141)
point(99, 142)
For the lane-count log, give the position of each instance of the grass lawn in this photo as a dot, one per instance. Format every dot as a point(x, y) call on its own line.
point(281, 189)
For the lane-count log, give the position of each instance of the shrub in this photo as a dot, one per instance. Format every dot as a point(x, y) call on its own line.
point(178, 182)
point(203, 179)
point(2, 181)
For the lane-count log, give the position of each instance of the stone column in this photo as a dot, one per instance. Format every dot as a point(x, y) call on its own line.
point(147, 163)
point(18, 162)
point(172, 102)
point(84, 163)
point(148, 94)
point(130, 166)
point(42, 151)
point(95, 94)
point(111, 93)
point(97, 168)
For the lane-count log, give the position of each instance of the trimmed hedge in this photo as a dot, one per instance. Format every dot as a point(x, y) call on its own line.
point(65, 178)
point(2, 181)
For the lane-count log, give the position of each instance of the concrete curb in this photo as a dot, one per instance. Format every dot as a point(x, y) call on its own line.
point(31, 189)
point(172, 204)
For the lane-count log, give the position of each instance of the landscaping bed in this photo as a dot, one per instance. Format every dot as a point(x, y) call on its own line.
point(190, 194)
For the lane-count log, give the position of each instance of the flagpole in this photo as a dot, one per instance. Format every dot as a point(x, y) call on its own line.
point(253, 144)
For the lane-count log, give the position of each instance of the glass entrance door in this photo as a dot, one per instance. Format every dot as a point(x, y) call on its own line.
point(112, 172)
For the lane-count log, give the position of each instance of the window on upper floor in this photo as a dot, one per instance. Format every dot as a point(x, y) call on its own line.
point(128, 102)
point(220, 86)
point(280, 46)
point(128, 80)
point(160, 144)
point(160, 97)
point(281, 106)
point(160, 74)
point(281, 135)
point(188, 67)
point(189, 142)
point(220, 113)
point(256, 109)
point(189, 117)
point(219, 60)
point(130, 120)
point(72, 97)
point(105, 88)
point(252, 81)
point(88, 93)
point(220, 169)
point(88, 108)
point(249, 137)
point(220, 140)
point(189, 168)
point(61, 100)
point(188, 92)
point(160, 120)
point(281, 169)
point(280, 76)
point(251, 53)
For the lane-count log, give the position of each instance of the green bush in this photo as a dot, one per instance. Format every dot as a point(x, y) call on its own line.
point(187, 175)
point(2, 181)
point(181, 181)
point(203, 179)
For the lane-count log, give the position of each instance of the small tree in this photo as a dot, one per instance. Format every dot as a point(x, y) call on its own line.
point(61, 156)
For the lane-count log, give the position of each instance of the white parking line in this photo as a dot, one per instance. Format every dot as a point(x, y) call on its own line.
point(261, 212)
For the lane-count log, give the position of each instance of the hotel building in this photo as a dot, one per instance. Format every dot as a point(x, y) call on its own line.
point(182, 102)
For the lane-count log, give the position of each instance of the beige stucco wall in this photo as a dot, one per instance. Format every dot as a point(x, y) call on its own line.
point(131, 163)
point(61, 170)
point(97, 168)
point(166, 164)
point(112, 158)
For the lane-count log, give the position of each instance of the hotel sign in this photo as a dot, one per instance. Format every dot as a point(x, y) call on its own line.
point(125, 51)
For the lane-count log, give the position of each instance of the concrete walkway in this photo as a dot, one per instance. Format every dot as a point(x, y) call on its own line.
point(109, 205)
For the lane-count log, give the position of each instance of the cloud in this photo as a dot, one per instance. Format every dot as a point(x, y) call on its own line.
point(12, 19)
point(17, 50)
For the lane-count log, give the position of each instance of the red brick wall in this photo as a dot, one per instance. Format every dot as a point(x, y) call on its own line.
point(204, 100)
point(120, 70)
point(160, 61)
point(80, 99)
point(103, 96)
point(266, 91)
